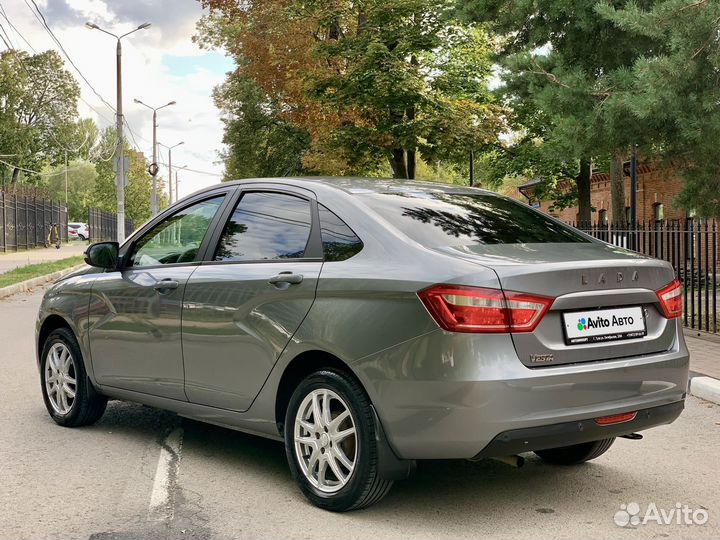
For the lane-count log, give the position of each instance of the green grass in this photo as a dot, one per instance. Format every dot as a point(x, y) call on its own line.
point(36, 270)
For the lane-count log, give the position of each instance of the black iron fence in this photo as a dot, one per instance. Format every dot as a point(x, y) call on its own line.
point(103, 225)
point(25, 221)
point(690, 245)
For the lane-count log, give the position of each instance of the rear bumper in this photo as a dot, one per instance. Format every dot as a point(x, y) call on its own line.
point(449, 396)
point(517, 441)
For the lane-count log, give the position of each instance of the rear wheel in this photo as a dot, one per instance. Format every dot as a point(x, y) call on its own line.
point(69, 395)
point(577, 453)
point(331, 445)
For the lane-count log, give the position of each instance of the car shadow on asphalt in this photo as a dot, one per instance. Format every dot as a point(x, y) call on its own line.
point(466, 494)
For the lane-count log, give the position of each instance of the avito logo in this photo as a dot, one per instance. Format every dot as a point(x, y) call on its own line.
point(582, 324)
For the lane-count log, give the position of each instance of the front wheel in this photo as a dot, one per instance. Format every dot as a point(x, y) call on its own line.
point(69, 396)
point(577, 453)
point(331, 444)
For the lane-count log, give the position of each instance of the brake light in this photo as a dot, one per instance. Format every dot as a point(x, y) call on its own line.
point(481, 310)
point(670, 298)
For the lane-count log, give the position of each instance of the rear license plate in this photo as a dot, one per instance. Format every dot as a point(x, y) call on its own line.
point(599, 325)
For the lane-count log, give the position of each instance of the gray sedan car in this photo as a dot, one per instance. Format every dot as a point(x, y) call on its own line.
point(369, 324)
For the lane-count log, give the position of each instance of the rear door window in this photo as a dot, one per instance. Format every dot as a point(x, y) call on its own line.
point(437, 219)
point(266, 226)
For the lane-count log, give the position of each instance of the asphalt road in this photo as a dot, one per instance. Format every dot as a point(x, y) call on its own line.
point(103, 481)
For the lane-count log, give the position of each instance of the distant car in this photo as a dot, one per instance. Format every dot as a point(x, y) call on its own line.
point(369, 324)
point(80, 231)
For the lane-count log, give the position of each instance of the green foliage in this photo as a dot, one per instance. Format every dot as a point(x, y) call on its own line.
point(260, 143)
point(81, 180)
point(38, 105)
point(360, 83)
point(676, 90)
point(567, 76)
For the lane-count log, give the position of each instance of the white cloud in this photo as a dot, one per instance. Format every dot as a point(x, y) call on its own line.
point(194, 119)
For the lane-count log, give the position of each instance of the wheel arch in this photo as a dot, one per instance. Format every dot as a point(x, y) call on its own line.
point(300, 367)
point(307, 362)
point(50, 323)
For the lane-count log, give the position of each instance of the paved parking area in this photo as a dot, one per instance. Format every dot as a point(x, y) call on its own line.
point(102, 482)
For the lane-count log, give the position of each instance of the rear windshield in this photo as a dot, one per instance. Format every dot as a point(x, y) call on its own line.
point(436, 219)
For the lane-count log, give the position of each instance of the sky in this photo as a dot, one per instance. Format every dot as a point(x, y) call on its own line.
point(159, 64)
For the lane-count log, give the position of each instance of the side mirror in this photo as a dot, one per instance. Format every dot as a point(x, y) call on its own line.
point(103, 255)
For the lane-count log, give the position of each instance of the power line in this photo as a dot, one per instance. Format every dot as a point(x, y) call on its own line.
point(4, 15)
point(195, 170)
point(47, 28)
point(36, 172)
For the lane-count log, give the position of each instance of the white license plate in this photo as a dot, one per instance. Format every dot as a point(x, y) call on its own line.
point(598, 325)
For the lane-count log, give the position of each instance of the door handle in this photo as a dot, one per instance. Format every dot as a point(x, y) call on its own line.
point(166, 285)
point(286, 277)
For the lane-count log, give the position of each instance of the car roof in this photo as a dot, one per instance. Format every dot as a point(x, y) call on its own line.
point(361, 185)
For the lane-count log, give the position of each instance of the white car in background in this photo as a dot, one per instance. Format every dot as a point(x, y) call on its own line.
point(78, 231)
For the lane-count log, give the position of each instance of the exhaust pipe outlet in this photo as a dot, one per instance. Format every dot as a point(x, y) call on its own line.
point(632, 436)
point(514, 461)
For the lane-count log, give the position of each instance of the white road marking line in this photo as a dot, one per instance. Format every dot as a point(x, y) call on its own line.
point(170, 453)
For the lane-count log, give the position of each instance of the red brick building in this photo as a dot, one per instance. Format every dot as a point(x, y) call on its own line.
point(657, 190)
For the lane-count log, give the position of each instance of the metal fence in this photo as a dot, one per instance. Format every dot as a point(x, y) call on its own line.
point(25, 221)
point(103, 225)
point(690, 245)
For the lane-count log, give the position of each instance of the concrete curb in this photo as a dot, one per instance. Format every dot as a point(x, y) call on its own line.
point(25, 286)
point(705, 388)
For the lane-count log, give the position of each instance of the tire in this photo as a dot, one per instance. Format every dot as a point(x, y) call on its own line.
point(82, 238)
point(87, 406)
point(576, 454)
point(362, 485)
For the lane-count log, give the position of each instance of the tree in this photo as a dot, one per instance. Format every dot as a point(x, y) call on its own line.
point(82, 177)
point(261, 143)
point(570, 65)
point(676, 90)
point(369, 82)
point(38, 102)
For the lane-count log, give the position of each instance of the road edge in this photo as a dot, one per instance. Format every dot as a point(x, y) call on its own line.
point(27, 285)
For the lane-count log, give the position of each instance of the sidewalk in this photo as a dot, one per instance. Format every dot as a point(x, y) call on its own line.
point(10, 261)
point(704, 355)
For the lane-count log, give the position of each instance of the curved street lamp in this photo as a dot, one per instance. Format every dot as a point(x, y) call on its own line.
point(153, 170)
point(120, 177)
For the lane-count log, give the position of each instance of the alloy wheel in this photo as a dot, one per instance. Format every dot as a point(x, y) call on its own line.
point(325, 440)
point(60, 378)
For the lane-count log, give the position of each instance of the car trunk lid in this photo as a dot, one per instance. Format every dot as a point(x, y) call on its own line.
point(586, 280)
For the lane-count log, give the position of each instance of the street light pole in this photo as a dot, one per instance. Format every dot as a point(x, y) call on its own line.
point(177, 182)
point(154, 199)
point(120, 150)
point(170, 171)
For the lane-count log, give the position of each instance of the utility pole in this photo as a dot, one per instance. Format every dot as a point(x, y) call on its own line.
point(472, 167)
point(120, 150)
point(66, 180)
point(170, 171)
point(154, 168)
point(177, 182)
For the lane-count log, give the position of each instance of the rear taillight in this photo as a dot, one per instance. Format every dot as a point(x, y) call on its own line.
point(670, 298)
point(479, 310)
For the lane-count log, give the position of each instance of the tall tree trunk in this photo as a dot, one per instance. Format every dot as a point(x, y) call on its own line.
point(398, 164)
point(411, 164)
point(583, 180)
point(617, 188)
